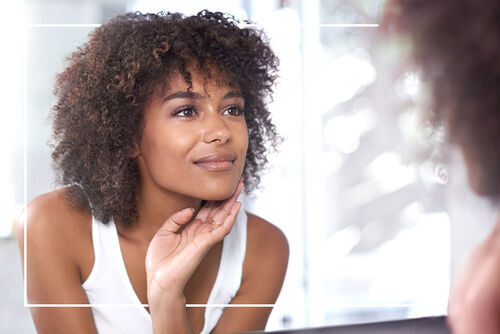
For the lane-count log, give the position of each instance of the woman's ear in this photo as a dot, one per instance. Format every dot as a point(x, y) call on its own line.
point(136, 151)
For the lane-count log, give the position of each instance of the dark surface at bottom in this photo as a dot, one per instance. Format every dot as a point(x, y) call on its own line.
point(429, 325)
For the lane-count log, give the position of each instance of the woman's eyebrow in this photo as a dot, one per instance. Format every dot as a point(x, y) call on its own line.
point(194, 95)
point(182, 95)
point(233, 94)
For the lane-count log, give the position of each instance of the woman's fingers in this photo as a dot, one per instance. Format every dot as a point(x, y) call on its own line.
point(175, 221)
point(226, 220)
point(231, 217)
point(214, 212)
point(223, 208)
point(216, 206)
point(206, 211)
point(206, 233)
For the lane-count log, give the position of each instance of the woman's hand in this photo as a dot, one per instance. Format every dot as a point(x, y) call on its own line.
point(178, 247)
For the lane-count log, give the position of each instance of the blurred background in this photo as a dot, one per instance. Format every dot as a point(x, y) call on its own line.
point(370, 197)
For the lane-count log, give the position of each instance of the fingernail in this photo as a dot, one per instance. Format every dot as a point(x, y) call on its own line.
point(236, 207)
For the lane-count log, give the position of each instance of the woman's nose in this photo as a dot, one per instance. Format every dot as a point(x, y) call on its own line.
point(215, 129)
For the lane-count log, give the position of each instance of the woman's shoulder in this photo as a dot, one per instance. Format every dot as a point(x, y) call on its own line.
point(55, 238)
point(262, 232)
point(475, 297)
point(266, 242)
point(54, 210)
point(265, 264)
point(51, 221)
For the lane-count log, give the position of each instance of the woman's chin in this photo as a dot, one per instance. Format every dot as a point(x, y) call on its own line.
point(217, 193)
point(217, 197)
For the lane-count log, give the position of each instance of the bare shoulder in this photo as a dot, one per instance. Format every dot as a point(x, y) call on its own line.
point(264, 270)
point(265, 236)
point(53, 226)
point(51, 213)
point(266, 245)
point(475, 297)
point(58, 247)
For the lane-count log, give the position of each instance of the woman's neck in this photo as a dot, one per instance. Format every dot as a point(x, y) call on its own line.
point(154, 208)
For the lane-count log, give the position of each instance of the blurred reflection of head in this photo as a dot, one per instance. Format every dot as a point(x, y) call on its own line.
point(456, 43)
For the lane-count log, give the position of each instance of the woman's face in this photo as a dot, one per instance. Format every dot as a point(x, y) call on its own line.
point(194, 142)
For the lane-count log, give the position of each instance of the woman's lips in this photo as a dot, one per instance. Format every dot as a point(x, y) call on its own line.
point(216, 162)
point(216, 166)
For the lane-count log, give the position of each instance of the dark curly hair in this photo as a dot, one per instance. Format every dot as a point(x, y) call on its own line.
point(457, 45)
point(102, 93)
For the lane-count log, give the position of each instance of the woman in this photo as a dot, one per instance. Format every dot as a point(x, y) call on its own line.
point(457, 45)
point(160, 122)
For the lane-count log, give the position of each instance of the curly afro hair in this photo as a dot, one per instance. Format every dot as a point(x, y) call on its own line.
point(102, 93)
point(457, 45)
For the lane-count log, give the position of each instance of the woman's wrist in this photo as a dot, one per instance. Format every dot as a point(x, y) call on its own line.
point(168, 312)
point(160, 295)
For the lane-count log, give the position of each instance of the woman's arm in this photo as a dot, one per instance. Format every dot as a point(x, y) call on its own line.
point(175, 252)
point(264, 270)
point(53, 274)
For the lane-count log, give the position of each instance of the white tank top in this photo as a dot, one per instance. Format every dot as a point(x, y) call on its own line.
point(116, 307)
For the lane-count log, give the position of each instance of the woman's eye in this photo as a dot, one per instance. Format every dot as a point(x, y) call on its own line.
point(234, 111)
point(185, 112)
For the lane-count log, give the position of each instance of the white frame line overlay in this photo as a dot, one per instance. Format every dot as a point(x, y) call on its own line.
point(337, 305)
point(95, 25)
point(25, 167)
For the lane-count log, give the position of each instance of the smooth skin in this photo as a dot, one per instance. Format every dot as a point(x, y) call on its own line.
point(475, 298)
point(474, 305)
point(172, 253)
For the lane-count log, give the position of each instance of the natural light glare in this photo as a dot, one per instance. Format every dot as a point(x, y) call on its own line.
point(340, 243)
point(421, 252)
point(408, 123)
point(410, 212)
point(345, 14)
point(359, 194)
point(408, 86)
point(373, 7)
point(346, 75)
point(344, 131)
point(332, 161)
point(411, 268)
point(389, 172)
point(11, 66)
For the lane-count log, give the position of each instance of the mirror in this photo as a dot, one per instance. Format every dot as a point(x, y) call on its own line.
point(362, 185)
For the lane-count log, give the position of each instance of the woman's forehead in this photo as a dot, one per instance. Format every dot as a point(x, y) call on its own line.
point(202, 82)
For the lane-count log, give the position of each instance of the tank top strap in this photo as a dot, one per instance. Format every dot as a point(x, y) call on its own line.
point(96, 243)
point(228, 280)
